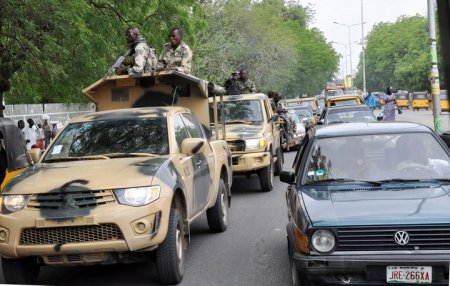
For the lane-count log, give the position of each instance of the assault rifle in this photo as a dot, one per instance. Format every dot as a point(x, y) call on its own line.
point(117, 64)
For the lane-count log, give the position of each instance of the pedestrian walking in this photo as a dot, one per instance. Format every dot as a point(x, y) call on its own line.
point(30, 133)
point(389, 105)
point(370, 101)
point(48, 134)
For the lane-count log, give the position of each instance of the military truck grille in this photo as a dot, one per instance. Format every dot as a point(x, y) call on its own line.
point(381, 238)
point(236, 145)
point(81, 199)
point(73, 234)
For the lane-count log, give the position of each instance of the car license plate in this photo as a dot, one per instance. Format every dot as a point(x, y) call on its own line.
point(408, 274)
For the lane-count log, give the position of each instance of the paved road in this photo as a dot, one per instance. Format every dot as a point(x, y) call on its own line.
point(423, 117)
point(253, 251)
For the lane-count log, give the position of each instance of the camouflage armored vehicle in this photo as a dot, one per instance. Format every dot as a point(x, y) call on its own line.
point(252, 131)
point(120, 185)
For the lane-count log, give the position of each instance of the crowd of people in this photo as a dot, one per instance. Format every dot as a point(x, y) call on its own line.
point(40, 135)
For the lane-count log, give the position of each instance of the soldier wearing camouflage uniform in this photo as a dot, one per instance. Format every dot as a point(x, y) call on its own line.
point(245, 85)
point(144, 57)
point(176, 55)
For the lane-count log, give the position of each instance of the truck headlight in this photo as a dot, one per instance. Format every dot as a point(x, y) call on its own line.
point(323, 241)
point(137, 196)
point(13, 203)
point(255, 144)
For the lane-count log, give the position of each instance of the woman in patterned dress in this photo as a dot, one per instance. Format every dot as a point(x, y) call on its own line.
point(389, 105)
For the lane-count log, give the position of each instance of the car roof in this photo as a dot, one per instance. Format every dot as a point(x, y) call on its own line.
point(349, 107)
point(351, 129)
point(129, 113)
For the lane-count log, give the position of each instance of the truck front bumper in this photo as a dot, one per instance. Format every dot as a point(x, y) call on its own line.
point(366, 269)
point(250, 162)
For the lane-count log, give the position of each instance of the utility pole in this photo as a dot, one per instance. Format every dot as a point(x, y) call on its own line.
point(350, 46)
point(434, 71)
point(362, 46)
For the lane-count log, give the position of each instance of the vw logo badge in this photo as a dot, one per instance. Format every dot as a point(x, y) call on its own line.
point(401, 237)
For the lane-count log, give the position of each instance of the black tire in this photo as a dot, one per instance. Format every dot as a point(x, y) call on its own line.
point(20, 270)
point(218, 215)
point(279, 162)
point(170, 254)
point(266, 176)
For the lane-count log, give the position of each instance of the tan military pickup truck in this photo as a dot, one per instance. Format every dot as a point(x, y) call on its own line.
point(252, 131)
point(120, 185)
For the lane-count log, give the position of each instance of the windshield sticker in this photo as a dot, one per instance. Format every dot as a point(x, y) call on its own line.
point(57, 149)
point(320, 172)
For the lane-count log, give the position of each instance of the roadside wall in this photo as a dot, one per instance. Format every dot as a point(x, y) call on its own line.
point(58, 112)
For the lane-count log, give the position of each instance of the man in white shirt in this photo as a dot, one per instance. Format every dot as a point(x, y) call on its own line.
point(30, 133)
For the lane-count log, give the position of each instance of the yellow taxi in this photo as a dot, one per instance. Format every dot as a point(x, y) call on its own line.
point(348, 99)
point(420, 101)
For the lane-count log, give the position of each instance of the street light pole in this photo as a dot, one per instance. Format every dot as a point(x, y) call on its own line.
point(362, 47)
point(350, 46)
point(345, 56)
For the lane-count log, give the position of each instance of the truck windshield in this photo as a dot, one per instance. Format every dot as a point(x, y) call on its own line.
point(243, 111)
point(100, 137)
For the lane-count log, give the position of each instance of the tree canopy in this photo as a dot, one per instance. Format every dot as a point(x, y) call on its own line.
point(50, 50)
point(397, 54)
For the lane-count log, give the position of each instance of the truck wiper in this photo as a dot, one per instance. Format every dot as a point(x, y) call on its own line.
point(345, 180)
point(63, 159)
point(125, 155)
point(238, 122)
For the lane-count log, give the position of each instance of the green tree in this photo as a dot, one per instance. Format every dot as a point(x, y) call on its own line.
point(397, 54)
point(51, 49)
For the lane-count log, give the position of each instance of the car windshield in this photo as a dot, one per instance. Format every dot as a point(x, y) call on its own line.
point(409, 156)
point(344, 102)
point(349, 115)
point(106, 137)
point(243, 111)
point(334, 92)
point(294, 117)
point(309, 103)
point(303, 112)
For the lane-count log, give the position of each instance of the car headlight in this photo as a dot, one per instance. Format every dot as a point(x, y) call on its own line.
point(137, 196)
point(13, 203)
point(255, 144)
point(323, 240)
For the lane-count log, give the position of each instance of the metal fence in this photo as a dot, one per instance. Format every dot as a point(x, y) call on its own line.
point(58, 112)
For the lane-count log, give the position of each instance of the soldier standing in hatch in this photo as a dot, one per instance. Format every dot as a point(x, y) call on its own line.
point(144, 57)
point(176, 55)
point(245, 85)
point(231, 85)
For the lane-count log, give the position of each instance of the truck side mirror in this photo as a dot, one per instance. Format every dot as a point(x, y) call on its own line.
point(33, 155)
point(287, 177)
point(191, 146)
point(275, 118)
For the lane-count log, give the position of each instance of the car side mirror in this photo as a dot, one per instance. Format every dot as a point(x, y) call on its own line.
point(275, 118)
point(191, 146)
point(33, 155)
point(321, 122)
point(287, 177)
point(380, 118)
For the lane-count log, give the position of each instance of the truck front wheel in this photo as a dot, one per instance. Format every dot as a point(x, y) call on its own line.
point(20, 270)
point(171, 253)
point(266, 176)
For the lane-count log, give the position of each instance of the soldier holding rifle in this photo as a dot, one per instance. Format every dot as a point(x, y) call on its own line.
point(144, 58)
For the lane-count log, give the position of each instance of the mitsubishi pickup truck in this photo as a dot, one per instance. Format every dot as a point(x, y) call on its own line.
point(120, 185)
